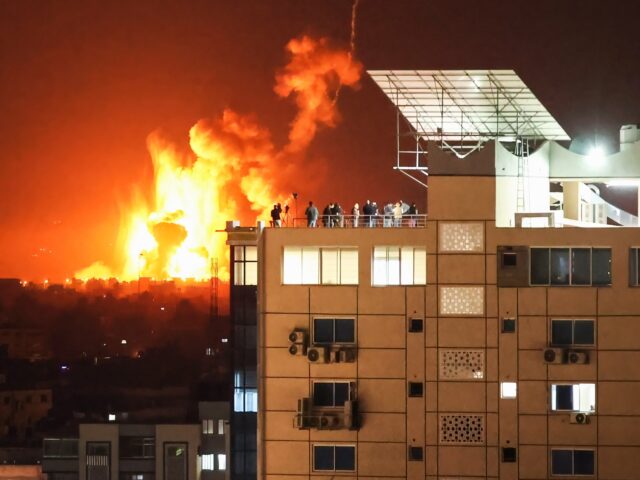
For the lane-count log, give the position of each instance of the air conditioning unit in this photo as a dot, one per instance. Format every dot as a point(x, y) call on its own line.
point(304, 406)
point(554, 355)
point(334, 356)
point(350, 415)
point(329, 421)
point(580, 418)
point(297, 349)
point(317, 355)
point(347, 355)
point(577, 357)
point(298, 336)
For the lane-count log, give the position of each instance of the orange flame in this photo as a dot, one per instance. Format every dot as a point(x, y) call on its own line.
point(233, 171)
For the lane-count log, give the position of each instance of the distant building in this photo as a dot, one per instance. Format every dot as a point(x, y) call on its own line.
point(24, 343)
point(21, 410)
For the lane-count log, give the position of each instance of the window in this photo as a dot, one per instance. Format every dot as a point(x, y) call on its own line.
point(221, 427)
point(574, 398)
point(245, 265)
point(137, 447)
point(330, 394)
point(207, 426)
point(222, 461)
point(509, 454)
point(98, 459)
point(320, 266)
point(60, 448)
point(245, 400)
point(416, 325)
point(634, 267)
point(570, 266)
point(207, 461)
point(399, 266)
point(508, 390)
point(416, 454)
point(572, 332)
point(508, 325)
point(175, 461)
point(137, 476)
point(572, 462)
point(333, 330)
point(415, 389)
point(334, 458)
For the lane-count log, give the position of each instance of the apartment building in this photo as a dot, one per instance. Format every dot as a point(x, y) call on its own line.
point(497, 339)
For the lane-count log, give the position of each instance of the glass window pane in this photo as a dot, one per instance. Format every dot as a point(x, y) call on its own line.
point(561, 462)
point(251, 273)
point(349, 266)
point(583, 462)
point(406, 265)
point(251, 254)
point(380, 266)
point(310, 266)
point(580, 266)
point(559, 263)
point(563, 397)
point(323, 394)
point(345, 458)
point(323, 457)
point(393, 266)
point(587, 397)
point(561, 332)
point(344, 330)
point(601, 266)
point(329, 266)
point(539, 266)
point(322, 330)
point(292, 266)
point(420, 266)
point(238, 253)
point(583, 332)
point(342, 393)
point(238, 273)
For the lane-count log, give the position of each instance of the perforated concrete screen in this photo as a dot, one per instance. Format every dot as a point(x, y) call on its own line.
point(457, 429)
point(461, 300)
point(461, 237)
point(461, 364)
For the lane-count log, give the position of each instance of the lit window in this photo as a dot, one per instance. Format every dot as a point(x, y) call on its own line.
point(508, 390)
point(399, 266)
point(333, 330)
point(315, 266)
point(245, 265)
point(220, 427)
point(207, 462)
point(245, 400)
point(222, 461)
point(574, 398)
point(570, 266)
point(331, 394)
point(207, 426)
point(572, 332)
point(334, 458)
point(572, 462)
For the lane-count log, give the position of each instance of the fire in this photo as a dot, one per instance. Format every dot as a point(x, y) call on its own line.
point(231, 171)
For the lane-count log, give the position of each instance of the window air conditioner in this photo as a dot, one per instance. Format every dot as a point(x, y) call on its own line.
point(298, 341)
point(297, 336)
point(577, 357)
point(317, 355)
point(553, 355)
point(580, 418)
point(297, 349)
point(329, 421)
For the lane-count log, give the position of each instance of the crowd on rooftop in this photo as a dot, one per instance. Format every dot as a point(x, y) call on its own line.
point(333, 215)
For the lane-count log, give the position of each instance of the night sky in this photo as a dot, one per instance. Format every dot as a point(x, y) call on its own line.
point(84, 82)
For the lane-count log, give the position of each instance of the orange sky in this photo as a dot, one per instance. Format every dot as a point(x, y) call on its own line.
point(83, 83)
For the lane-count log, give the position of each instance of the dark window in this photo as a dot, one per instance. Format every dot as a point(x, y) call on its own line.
point(175, 461)
point(539, 266)
point(559, 266)
point(330, 394)
point(564, 397)
point(415, 325)
point(601, 269)
point(333, 330)
point(334, 458)
point(572, 462)
point(508, 325)
point(60, 448)
point(572, 332)
point(137, 447)
point(97, 448)
point(634, 267)
point(509, 455)
point(415, 389)
point(509, 259)
point(416, 454)
point(580, 266)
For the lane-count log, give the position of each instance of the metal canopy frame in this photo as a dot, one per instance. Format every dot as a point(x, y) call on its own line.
point(462, 109)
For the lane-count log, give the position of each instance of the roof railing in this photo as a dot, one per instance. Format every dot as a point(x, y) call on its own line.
point(356, 221)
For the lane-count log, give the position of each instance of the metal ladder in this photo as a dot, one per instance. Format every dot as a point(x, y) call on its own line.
point(522, 152)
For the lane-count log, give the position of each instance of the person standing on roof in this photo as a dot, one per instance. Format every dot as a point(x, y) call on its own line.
point(275, 216)
point(355, 214)
point(312, 215)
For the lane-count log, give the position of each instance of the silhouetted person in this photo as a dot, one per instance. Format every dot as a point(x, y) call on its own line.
point(312, 215)
point(275, 216)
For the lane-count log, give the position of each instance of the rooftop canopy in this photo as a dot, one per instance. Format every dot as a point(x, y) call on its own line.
point(467, 106)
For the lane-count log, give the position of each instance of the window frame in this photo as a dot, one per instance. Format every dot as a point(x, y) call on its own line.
point(570, 268)
point(634, 266)
point(242, 263)
point(333, 342)
point(572, 410)
point(318, 252)
point(399, 274)
point(350, 390)
point(573, 464)
point(352, 446)
point(573, 333)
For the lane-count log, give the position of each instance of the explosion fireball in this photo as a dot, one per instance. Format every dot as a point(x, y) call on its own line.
point(232, 171)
